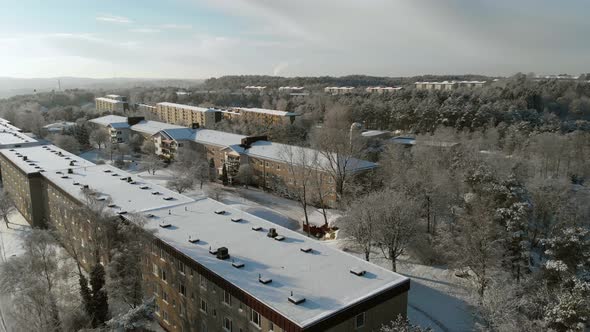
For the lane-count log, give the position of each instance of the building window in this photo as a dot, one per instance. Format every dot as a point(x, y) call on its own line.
point(359, 320)
point(157, 309)
point(203, 282)
point(165, 315)
point(164, 296)
point(227, 324)
point(155, 267)
point(203, 306)
point(227, 298)
point(182, 289)
point(255, 317)
point(181, 267)
point(271, 326)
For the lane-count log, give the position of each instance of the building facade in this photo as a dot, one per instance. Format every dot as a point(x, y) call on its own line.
point(448, 85)
point(112, 104)
point(186, 115)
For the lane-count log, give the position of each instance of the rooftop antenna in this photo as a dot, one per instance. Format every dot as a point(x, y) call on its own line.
point(169, 211)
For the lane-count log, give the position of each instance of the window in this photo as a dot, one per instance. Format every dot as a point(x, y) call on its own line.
point(203, 306)
point(164, 296)
point(255, 317)
point(182, 289)
point(227, 324)
point(226, 298)
point(164, 277)
point(181, 267)
point(155, 269)
point(165, 315)
point(271, 326)
point(359, 320)
point(157, 309)
point(203, 282)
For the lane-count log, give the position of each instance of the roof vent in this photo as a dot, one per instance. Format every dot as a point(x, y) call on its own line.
point(76, 183)
point(65, 177)
point(144, 187)
point(114, 174)
point(306, 249)
point(124, 179)
point(129, 180)
point(296, 299)
point(112, 205)
point(122, 212)
point(156, 193)
point(73, 163)
point(86, 186)
point(193, 239)
point(58, 172)
point(25, 158)
point(107, 171)
point(279, 238)
point(70, 171)
point(149, 215)
point(237, 265)
point(358, 271)
point(67, 158)
point(164, 224)
point(256, 228)
point(101, 199)
point(236, 219)
point(264, 280)
point(219, 211)
point(222, 253)
point(212, 251)
point(272, 232)
point(168, 198)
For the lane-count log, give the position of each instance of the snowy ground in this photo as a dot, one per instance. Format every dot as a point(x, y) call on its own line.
point(437, 299)
point(11, 239)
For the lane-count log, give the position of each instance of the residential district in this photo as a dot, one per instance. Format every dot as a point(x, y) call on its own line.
point(208, 265)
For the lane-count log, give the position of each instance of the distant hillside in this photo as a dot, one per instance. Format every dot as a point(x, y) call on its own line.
point(14, 86)
point(239, 82)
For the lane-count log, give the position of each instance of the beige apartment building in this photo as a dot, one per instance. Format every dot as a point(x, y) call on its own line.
point(382, 89)
point(112, 104)
point(261, 116)
point(339, 90)
point(210, 267)
point(448, 85)
point(186, 115)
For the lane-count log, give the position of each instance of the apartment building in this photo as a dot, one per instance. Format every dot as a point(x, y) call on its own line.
point(121, 128)
point(261, 116)
point(112, 104)
point(269, 160)
point(339, 90)
point(291, 89)
point(448, 85)
point(21, 169)
point(382, 89)
point(209, 266)
point(256, 88)
point(186, 115)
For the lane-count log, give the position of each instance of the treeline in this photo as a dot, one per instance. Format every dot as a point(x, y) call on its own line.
point(237, 82)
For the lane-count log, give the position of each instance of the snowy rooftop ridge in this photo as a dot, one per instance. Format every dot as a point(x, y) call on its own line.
point(109, 120)
point(43, 158)
point(265, 111)
point(109, 100)
point(187, 107)
point(321, 275)
point(153, 127)
point(127, 192)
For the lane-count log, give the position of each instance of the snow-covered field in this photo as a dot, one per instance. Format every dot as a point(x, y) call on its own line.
point(11, 239)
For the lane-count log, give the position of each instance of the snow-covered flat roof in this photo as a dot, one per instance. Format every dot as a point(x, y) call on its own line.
point(153, 127)
point(9, 137)
point(109, 120)
point(280, 152)
point(322, 276)
point(127, 196)
point(373, 133)
point(205, 136)
point(187, 107)
point(109, 100)
point(265, 111)
point(43, 157)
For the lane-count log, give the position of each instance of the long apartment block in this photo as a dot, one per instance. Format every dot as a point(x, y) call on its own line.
point(112, 104)
point(209, 266)
point(269, 161)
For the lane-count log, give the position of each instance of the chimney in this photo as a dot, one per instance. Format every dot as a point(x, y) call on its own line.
point(272, 232)
point(70, 171)
point(25, 158)
point(133, 120)
point(222, 253)
point(247, 141)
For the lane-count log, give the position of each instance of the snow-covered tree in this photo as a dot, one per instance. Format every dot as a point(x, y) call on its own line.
point(402, 324)
point(568, 250)
point(571, 312)
point(6, 206)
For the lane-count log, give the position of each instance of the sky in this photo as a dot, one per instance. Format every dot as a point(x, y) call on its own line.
point(210, 38)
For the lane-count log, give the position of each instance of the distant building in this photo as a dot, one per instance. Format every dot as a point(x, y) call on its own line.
point(339, 90)
point(112, 104)
point(261, 116)
point(382, 89)
point(291, 89)
point(187, 115)
point(448, 85)
point(255, 88)
point(58, 127)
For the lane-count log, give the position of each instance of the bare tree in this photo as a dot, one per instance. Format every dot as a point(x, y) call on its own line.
point(100, 137)
point(397, 221)
point(135, 142)
point(245, 175)
point(66, 142)
point(148, 147)
point(6, 206)
point(151, 163)
point(360, 223)
point(181, 183)
point(300, 164)
point(191, 163)
point(215, 192)
point(36, 281)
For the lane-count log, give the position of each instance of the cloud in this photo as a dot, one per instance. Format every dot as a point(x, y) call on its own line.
point(145, 30)
point(113, 19)
point(176, 26)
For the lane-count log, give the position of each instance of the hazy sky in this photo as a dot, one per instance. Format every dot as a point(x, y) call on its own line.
point(203, 38)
